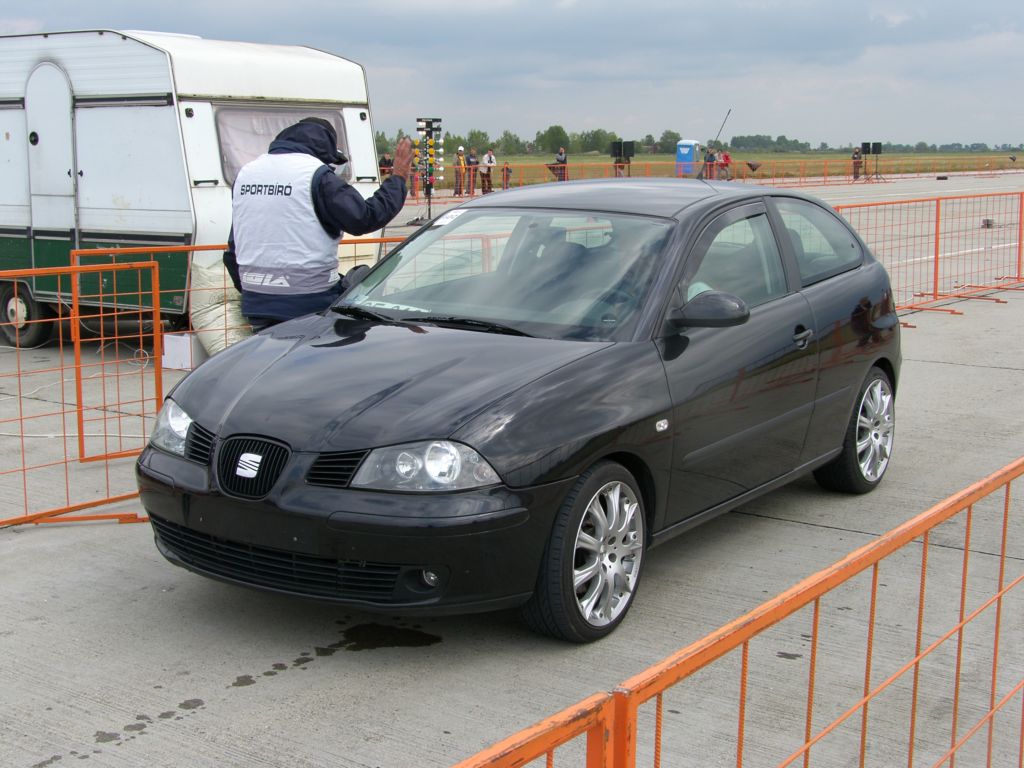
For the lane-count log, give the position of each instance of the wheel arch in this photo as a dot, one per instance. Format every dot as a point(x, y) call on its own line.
point(23, 285)
point(889, 369)
point(641, 472)
point(25, 290)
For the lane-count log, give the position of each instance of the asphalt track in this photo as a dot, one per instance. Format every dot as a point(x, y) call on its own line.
point(110, 654)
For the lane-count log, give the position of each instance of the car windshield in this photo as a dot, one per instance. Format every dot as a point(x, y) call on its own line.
point(555, 274)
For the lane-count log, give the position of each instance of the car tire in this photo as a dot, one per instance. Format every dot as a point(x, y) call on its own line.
point(591, 567)
point(867, 444)
point(24, 321)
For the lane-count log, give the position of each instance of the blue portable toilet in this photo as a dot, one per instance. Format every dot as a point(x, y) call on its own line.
point(686, 156)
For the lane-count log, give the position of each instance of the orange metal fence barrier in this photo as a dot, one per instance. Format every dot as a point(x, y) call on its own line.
point(69, 423)
point(890, 674)
point(768, 169)
point(945, 247)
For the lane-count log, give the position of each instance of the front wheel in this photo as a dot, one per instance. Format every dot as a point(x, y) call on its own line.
point(867, 445)
point(24, 321)
point(591, 566)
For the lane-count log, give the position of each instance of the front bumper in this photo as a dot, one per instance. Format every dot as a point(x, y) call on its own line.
point(366, 549)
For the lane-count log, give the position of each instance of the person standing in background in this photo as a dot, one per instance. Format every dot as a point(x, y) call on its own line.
point(710, 163)
point(725, 163)
point(460, 171)
point(486, 168)
point(472, 163)
point(561, 163)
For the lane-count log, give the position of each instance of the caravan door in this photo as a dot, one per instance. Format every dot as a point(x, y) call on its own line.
point(51, 153)
point(52, 171)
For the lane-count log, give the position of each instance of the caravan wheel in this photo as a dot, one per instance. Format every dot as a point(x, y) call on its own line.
point(24, 321)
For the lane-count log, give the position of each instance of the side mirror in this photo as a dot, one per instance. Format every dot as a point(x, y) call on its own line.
point(711, 309)
point(355, 275)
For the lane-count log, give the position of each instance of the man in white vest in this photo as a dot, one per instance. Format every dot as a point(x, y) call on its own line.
point(289, 210)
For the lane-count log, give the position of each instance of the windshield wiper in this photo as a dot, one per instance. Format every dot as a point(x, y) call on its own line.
point(467, 322)
point(361, 312)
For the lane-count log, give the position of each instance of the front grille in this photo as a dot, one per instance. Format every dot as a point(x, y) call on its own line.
point(335, 470)
point(275, 569)
point(259, 457)
point(199, 444)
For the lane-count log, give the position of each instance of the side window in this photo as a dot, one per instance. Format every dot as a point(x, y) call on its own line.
point(742, 259)
point(823, 245)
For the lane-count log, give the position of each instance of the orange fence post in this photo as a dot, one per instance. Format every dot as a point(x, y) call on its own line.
point(1020, 236)
point(938, 244)
point(624, 727)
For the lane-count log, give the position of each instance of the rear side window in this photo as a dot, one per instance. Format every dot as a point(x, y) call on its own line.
point(823, 245)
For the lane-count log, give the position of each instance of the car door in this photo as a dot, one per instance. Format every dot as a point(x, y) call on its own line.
point(742, 396)
point(850, 301)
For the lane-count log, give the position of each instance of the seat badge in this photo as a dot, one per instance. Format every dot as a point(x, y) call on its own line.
point(248, 465)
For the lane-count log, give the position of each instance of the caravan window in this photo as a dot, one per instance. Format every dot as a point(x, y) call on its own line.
point(246, 133)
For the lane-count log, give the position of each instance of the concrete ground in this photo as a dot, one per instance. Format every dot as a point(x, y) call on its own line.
point(109, 653)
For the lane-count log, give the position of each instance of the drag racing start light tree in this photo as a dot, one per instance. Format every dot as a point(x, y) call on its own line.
point(428, 155)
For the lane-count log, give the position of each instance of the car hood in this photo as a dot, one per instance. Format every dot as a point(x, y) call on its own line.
point(327, 383)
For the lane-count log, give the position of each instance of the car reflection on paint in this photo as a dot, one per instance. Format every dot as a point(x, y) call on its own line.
point(517, 403)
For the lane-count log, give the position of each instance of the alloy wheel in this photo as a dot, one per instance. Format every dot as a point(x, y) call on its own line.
point(608, 552)
point(875, 430)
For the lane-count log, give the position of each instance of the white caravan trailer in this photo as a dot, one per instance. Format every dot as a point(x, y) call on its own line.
point(111, 139)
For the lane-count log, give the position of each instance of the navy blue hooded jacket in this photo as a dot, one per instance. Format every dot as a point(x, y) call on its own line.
point(339, 208)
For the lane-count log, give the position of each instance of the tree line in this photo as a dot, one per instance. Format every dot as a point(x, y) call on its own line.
point(599, 141)
point(550, 140)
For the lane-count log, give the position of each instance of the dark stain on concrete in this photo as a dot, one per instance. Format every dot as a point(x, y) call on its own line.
point(367, 637)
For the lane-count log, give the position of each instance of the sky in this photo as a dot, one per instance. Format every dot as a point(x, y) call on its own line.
point(838, 72)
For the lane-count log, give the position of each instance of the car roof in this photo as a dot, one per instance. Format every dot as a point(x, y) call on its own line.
point(652, 197)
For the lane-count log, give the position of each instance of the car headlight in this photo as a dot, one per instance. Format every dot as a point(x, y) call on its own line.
point(171, 428)
point(431, 465)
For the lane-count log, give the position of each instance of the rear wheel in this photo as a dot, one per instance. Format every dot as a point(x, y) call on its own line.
point(24, 321)
point(867, 445)
point(591, 566)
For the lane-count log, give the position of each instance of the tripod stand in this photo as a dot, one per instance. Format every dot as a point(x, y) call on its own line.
point(876, 176)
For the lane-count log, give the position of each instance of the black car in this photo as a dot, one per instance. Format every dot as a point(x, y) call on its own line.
point(527, 394)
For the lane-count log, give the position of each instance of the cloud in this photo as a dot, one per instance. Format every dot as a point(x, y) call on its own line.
point(931, 70)
point(889, 17)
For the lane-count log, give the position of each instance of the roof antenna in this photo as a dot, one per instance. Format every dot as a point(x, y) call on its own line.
point(722, 126)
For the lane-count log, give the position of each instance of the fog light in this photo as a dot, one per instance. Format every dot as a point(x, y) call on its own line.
point(430, 578)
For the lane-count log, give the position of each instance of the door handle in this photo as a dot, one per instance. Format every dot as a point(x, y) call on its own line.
point(802, 337)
